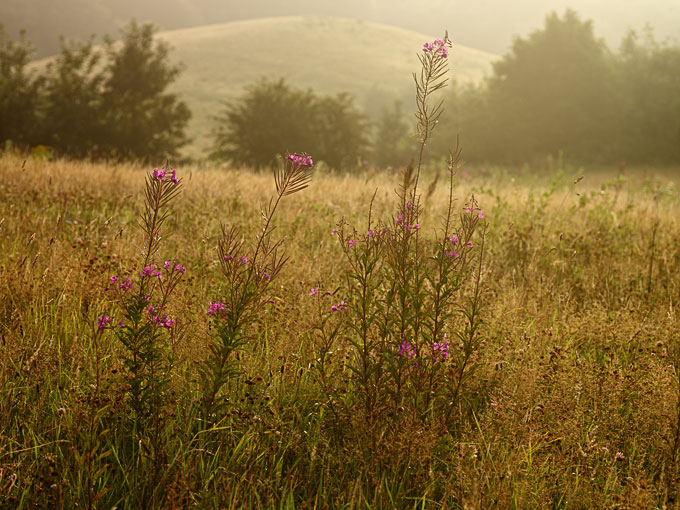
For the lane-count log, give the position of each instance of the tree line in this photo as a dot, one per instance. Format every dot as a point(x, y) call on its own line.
point(562, 90)
point(558, 90)
point(100, 103)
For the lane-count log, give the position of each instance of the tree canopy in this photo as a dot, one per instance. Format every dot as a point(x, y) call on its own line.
point(109, 102)
point(272, 118)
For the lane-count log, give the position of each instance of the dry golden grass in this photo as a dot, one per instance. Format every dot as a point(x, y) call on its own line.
point(578, 362)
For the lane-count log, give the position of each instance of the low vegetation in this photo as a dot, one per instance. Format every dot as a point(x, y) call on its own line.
point(466, 337)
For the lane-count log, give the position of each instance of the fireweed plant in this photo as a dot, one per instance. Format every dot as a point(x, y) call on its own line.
point(143, 326)
point(247, 275)
point(408, 320)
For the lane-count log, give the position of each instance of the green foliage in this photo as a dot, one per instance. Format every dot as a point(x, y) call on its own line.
point(649, 81)
point(391, 140)
point(71, 102)
point(272, 118)
point(562, 89)
point(554, 90)
point(18, 91)
point(110, 104)
point(143, 121)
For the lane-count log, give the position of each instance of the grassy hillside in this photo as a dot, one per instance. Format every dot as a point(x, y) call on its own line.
point(374, 62)
point(572, 402)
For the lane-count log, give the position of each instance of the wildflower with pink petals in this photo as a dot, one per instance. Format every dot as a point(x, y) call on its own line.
point(158, 174)
point(102, 322)
point(407, 350)
point(302, 159)
point(215, 307)
point(438, 47)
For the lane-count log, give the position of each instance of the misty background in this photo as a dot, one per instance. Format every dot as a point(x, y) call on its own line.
point(592, 82)
point(488, 25)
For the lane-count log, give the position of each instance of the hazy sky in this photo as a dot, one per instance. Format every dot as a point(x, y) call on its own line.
point(491, 24)
point(484, 24)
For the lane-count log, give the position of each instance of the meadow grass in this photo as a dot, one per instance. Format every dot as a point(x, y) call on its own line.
point(573, 404)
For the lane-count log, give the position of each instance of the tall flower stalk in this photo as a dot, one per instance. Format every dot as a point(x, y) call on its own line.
point(410, 329)
point(247, 278)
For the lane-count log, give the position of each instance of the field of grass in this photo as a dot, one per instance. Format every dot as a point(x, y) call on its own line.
point(570, 394)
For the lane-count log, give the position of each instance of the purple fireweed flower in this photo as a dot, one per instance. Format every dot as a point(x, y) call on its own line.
point(400, 219)
point(480, 214)
point(469, 244)
point(441, 350)
point(407, 350)
point(151, 272)
point(370, 233)
point(334, 231)
point(266, 277)
point(216, 307)
point(114, 279)
point(341, 306)
point(302, 159)
point(313, 292)
point(352, 243)
point(228, 258)
point(158, 174)
point(452, 239)
point(416, 226)
point(180, 269)
point(244, 260)
point(173, 178)
point(126, 284)
point(150, 310)
point(102, 322)
point(453, 254)
point(168, 264)
point(121, 323)
point(165, 322)
point(468, 209)
point(438, 47)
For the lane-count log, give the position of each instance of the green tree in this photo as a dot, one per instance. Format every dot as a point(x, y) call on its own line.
point(272, 118)
point(143, 120)
point(341, 131)
point(112, 102)
point(555, 90)
point(391, 145)
point(269, 119)
point(649, 80)
point(71, 105)
point(19, 90)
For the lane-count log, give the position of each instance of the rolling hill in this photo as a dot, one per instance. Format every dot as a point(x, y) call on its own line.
point(329, 55)
point(373, 62)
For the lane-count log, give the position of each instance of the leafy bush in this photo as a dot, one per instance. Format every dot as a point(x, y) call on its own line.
point(272, 118)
